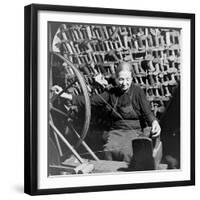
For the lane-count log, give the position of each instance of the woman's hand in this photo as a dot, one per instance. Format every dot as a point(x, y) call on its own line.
point(155, 129)
point(57, 90)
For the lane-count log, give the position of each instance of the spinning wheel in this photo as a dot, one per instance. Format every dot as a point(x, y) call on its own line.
point(76, 79)
point(54, 163)
point(87, 60)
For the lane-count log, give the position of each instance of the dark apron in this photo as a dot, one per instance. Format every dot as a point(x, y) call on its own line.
point(119, 139)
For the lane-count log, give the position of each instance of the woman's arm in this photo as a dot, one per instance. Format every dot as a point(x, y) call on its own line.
point(149, 116)
point(79, 100)
point(96, 100)
point(145, 107)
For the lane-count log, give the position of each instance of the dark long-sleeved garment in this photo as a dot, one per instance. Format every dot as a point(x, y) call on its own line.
point(134, 96)
point(127, 109)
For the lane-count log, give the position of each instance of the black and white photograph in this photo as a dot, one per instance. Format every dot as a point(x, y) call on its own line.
point(112, 98)
point(100, 100)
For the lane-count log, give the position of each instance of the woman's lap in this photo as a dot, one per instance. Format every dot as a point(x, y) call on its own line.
point(119, 144)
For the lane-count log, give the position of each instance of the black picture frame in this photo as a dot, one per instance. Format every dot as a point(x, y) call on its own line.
point(31, 97)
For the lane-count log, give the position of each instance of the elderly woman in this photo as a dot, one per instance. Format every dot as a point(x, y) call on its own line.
point(128, 105)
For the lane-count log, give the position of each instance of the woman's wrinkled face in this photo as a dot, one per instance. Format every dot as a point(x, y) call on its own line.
point(124, 80)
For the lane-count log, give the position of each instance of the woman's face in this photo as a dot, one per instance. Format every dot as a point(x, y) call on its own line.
point(124, 80)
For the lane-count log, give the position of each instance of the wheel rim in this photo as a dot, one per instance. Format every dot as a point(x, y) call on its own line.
point(87, 115)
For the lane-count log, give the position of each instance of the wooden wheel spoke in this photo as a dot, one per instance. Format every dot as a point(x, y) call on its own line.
point(60, 112)
point(70, 85)
point(73, 129)
point(80, 88)
point(81, 141)
point(68, 122)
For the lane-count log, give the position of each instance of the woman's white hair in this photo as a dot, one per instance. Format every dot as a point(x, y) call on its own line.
point(124, 66)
